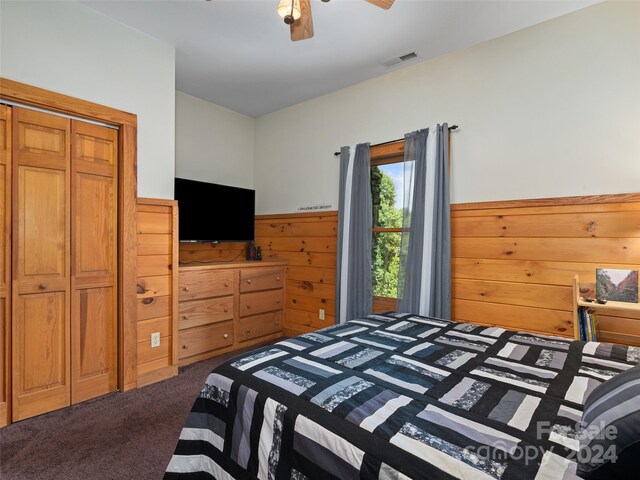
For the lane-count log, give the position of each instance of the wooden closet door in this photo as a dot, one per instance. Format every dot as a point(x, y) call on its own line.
point(5, 256)
point(41, 263)
point(94, 259)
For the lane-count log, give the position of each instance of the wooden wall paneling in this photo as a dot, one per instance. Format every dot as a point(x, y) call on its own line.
point(41, 269)
point(527, 271)
point(193, 253)
point(307, 243)
point(514, 262)
point(571, 224)
point(384, 304)
point(5, 264)
point(613, 202)
point(157, 289)
point(579, 250)
point(175, 252)
point(94, 213)
point(525, 294)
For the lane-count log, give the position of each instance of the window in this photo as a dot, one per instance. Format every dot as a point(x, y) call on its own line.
point(387, 195)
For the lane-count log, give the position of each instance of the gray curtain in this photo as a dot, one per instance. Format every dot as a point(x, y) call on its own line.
point(353, 279)
point(424, 280)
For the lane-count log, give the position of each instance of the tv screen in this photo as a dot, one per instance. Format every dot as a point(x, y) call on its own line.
point(209, 212)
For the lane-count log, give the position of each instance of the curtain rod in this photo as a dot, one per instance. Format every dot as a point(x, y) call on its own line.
point(452, 127)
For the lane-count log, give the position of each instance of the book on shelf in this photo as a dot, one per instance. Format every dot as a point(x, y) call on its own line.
point(588, 324)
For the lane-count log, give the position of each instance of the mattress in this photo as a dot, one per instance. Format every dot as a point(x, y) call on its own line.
point(397, 396)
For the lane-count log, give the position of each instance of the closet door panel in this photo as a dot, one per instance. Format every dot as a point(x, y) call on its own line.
point(94, 212)
point(94, 228)
point(5, 260)
point(95, 334)
point(41, 139)
point(41, 354)
point(42, 228)
point(41, 263)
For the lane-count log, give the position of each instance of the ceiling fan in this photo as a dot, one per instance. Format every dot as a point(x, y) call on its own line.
point(297, 14)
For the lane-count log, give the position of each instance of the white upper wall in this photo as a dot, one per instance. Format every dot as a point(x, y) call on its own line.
point(549, 111)
point(213, 144)
point(71, 49)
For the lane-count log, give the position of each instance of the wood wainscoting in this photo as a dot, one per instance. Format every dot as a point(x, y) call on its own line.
point(157, 289)
point(203, 253)
point(513, 262)
point(307, 243)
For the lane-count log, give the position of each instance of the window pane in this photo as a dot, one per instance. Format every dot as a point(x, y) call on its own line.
point(387, 192)
point(386, 261)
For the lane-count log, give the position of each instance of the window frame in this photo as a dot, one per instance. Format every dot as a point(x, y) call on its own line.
point(386, 154)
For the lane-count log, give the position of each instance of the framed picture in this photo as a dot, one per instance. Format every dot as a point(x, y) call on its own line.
point(617, 285)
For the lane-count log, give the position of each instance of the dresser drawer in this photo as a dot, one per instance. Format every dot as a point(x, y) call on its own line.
point(260, 302)
point(259, 325)
point(203, 339)
point(205, 283)
point(194, 313)
point(253, 279)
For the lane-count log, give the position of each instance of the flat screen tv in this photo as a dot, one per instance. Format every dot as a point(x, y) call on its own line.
point(209, 212)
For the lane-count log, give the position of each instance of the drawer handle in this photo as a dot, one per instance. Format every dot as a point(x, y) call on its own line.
point(249, 281)
point(277, 301)
point(226, 335)
point(277, 279)
point(184, 347)
point(248, 307)
point(186, 289)
point(226, 284)
point(186, 317)
point(43, 286)
point(226, 310)
point(247, 332)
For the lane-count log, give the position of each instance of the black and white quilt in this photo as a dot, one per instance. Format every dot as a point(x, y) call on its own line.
point(397, 396)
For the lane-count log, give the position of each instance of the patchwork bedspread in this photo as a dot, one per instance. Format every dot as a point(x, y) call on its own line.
point(397, 396)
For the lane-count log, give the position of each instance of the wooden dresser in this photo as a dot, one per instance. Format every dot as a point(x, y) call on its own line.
point(227, 306)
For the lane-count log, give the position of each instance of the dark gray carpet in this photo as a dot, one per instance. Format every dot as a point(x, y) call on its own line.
point(119, 436)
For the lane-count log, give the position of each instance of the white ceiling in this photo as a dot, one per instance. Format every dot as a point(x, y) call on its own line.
point(237, 53)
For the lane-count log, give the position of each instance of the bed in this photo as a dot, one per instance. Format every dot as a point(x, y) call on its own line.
point(397, 396)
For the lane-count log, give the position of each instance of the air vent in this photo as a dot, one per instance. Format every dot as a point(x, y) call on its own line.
point(408, 56)
point(402, 58)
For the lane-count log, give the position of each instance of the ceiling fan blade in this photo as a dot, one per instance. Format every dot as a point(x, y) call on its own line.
point(302, 28)
point(386, 4)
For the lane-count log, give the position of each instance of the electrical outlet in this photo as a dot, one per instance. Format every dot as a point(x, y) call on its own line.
point(321, 314)
point(155, 339)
